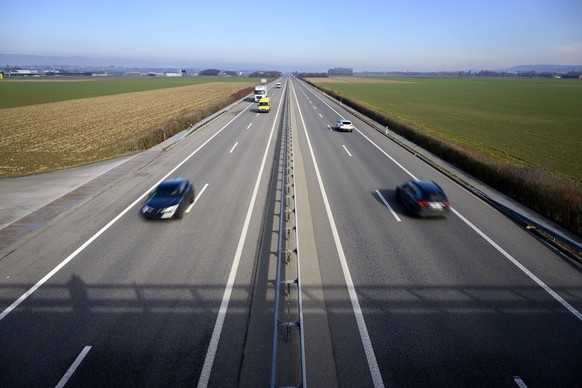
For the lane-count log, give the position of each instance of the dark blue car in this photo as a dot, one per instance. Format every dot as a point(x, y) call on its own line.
point(423, 198)
point(169, 200)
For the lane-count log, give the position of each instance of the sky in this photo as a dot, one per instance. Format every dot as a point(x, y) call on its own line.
point(381, 35)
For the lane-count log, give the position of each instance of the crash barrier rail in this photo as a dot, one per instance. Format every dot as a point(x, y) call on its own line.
point(288, 358)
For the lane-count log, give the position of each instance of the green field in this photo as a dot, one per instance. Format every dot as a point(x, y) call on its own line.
point(23, 92)
point(533, 121)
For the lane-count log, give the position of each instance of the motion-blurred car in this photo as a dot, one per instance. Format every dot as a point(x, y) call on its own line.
point(169, 199)
point(423, 198)
point(344, 126)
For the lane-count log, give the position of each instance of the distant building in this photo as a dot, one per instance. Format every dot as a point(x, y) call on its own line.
point(178, 73)
point(341, 71)
point(23, 73)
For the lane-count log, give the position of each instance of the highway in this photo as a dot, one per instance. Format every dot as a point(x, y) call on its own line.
point(101, 297)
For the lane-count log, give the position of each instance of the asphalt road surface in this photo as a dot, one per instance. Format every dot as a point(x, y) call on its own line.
point(101, 297)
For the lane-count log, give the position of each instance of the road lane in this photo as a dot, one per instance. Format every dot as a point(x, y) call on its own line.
point(144, 294)
point(443, 306)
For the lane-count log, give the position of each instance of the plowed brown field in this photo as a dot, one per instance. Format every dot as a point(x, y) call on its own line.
point(64, 134)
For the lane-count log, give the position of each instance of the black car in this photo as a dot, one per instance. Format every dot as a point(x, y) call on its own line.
point(423, 198)
point(169, 199)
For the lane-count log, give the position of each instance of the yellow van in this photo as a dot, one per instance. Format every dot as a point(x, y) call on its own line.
point(265, 105)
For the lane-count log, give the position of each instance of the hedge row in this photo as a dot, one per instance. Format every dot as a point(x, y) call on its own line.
point(556, 198)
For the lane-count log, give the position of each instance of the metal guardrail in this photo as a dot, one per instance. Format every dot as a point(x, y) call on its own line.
point(288, 358)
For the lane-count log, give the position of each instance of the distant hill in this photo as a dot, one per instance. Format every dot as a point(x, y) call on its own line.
point(561, 69)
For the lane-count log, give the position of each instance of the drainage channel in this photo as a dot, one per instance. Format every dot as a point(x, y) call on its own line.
point(288, 358)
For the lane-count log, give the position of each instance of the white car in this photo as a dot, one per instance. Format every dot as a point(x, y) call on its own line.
point(278, 85)
point(344, 125)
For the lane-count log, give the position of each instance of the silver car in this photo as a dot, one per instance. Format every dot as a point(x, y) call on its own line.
point(344, 126)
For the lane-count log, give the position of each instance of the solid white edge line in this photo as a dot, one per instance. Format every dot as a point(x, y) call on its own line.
point(232, 149)
point(519, 382)
point(73, 367)
point(196, 199)
point(364, 335)
point(24, 296)
point(540, 283)
point(346, 150)
point(533, 277)
point(388, 206)
point(217, 331)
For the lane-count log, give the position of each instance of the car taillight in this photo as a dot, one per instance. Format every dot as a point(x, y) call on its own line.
point(422, 203)
point(446, 203)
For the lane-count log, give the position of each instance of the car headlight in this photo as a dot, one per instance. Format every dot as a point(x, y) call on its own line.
point(146, 209)
point(170, 209)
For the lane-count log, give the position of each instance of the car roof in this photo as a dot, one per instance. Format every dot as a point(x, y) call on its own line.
point(173, 181)
point(345, 121)
point(428, 186)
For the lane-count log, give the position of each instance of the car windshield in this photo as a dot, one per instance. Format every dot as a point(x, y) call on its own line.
point(346, 122)
point(263, 103)
point(167, 191)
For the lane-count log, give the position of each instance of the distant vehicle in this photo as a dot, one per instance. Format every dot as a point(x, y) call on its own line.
point(265, 105)
point(260, 92)
point(423, 198)
point(169, 199)
point(278, 85)
point(344, 126)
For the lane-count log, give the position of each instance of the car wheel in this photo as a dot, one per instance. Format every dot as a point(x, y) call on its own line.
point(179, 214)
